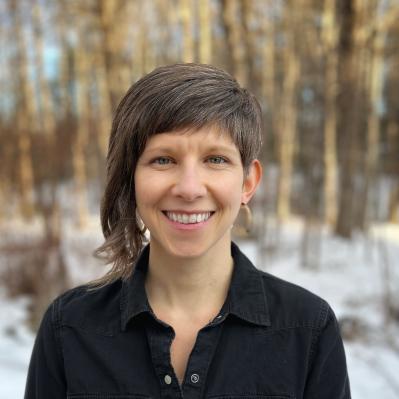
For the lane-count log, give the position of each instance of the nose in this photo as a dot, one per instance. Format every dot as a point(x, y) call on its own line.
point(189, 184)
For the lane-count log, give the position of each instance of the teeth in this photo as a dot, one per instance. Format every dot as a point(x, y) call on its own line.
point(187, 219)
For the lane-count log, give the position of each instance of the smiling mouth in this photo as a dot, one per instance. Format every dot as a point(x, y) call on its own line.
point(185, 218)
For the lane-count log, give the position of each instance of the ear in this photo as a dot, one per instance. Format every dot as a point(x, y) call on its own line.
point(251, 181)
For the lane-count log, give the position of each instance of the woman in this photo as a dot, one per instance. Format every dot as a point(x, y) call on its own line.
point(187, 315)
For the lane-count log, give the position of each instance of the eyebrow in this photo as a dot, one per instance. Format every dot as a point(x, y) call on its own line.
point(213, 148)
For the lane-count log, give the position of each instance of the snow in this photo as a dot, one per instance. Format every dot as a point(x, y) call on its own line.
point(16, 343)
point(350, 277)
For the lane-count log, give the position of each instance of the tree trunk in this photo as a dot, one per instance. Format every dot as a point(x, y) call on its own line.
point(393, 207)
point(48, 117)
point(112, 73)
point(65, 72)
point(25, 117)
point(103, 103)
point(349, 113)
point(311, 244)
point(252, 79)
point(267, 231)
point(80, 143)
point(393, 142)
point(373, 129)
point(186, 18)
point(286, 129)
point(205, 33)
point(113, 36)
point(330, 36)
point(234, 35)
point(146, 56)
point(47, 104)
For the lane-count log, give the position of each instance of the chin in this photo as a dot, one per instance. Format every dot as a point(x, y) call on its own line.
point(188, 249)
point(187, 252)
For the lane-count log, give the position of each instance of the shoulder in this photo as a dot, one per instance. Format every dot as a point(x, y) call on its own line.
point(288, 305)
point(94, 309)
point(293, 306)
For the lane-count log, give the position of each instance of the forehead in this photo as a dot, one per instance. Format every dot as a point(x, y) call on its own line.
point(186, 138)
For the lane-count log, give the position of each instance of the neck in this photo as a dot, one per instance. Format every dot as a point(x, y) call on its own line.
point(189, 287)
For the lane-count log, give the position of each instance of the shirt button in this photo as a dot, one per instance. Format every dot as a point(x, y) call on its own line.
point(194, 378)
point(168, 379)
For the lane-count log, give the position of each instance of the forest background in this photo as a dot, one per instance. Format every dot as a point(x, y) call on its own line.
point(326, 73)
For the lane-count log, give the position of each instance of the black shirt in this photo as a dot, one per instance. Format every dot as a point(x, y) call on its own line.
point(271, 339)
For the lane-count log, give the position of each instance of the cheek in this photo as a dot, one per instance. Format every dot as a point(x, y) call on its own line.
point(147, 189)
point(228, 192)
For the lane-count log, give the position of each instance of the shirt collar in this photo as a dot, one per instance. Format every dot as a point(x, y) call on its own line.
point(134, 299)
point(246, 298)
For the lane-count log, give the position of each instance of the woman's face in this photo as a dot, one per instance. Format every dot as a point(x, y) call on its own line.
point(189, 188)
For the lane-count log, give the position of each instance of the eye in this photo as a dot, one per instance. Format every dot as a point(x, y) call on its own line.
point(218, 160)
point(161, 160)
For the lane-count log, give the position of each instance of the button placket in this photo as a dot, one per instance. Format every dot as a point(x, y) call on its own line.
point(199, 361)
point(159, 340)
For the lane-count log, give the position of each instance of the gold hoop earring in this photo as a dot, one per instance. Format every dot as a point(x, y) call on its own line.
point(142, 227)
point(243, 223)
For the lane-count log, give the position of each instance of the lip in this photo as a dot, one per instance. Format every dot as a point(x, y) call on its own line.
point(189, 226)
point(187, 212)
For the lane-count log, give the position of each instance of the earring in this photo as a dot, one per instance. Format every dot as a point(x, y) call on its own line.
point(142, 227)
point(243, 224)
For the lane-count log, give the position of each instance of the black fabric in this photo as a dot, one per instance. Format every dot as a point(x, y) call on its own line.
point(271, 339)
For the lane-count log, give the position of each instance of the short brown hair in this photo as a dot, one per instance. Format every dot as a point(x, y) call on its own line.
point(169, 98)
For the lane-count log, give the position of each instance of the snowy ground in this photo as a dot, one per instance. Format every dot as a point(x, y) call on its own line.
point(350, 278)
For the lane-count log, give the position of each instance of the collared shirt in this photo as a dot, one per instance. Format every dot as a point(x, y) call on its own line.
point(271, 339)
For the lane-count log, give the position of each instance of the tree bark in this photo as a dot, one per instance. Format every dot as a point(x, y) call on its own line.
point(393, 143)
point(65, 73)
point(205, 32)
point(234, 34)
point(373, 130)
point(48, 116)
point(47, 104)
point(286, 129)
point(186, 18)
point(249, 38)
point(393, 207)
point(25, 117)
point(349, 116)
point(329, 37)
point(113, 36)
point(81, 139)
